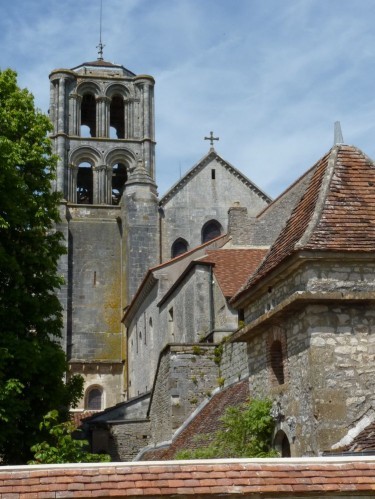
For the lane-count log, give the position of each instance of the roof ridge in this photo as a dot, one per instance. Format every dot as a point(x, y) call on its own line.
point(319, 202)
point(206, 159)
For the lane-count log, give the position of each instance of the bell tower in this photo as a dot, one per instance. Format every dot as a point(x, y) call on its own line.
point(103, 118)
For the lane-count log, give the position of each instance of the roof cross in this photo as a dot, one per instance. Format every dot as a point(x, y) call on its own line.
point(211, 138)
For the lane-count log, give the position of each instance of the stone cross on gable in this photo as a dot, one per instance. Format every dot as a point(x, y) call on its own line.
point(211, 138)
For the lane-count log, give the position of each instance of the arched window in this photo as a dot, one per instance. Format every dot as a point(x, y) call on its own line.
point(117, 121)
point(94, 399)
point(88, 114)
point(211, 230)
point(277, 361)
point(84, 184)
point(281, 444)
point(179, 247)
point(119, 177)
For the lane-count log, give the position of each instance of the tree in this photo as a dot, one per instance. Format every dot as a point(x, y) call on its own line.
point(247, 432)
point(62, 447)
point(32, 364)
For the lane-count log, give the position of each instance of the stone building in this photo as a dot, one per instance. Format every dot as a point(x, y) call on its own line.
point(309, 309)
point(114, 225)
point(153, 285)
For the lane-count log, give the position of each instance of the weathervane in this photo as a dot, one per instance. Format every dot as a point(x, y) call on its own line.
point(211, 138)
point(100, 47)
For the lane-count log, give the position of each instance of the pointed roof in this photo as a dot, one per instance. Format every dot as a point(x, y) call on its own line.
point(208, 158)
point(100, 64)
point(335, 213)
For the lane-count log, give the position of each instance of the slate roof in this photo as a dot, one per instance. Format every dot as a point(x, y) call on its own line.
point(218, 478)
point(233, 266)
point(206, 422)
point(335, 213)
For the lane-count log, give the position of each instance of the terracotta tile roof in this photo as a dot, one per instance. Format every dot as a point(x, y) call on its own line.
point(206, 422)
point(219, 240)
point(237, 477)
point(233, 266)
point(363, 442)
point(335, 213)
point(78, 416)
point(347, 222)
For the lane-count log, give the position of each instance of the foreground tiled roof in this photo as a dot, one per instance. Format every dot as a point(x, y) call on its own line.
point(201, 479)
point(233, 266)
point(206, 422)
point(335, 213)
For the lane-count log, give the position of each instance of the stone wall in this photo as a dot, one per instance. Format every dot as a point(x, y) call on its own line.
point(187, 374)
point(202, 198)
point(94, 297)
point(126, 439)
point(323, 275)
point(234, 362)
point(270, 222)
point(328, 373)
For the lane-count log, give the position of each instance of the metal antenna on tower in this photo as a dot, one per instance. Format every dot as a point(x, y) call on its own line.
point(100, 47)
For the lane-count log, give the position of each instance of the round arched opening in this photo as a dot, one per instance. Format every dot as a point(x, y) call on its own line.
point(119, 177)
point(94, 399)
point(210, 230)
point(281, 444)
point(84, 183)
point(179, 247)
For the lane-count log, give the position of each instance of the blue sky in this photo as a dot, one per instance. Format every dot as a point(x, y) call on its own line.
point(269, 77)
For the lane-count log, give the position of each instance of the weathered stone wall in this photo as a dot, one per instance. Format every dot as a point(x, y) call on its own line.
point(269, 223)
point(234, 362)
point(145, 341)
point(126, 439)
point(203, 198)
point(95, 296)
point(186, 376)
point(316, 276)
point(141, 220)
point(329, 349)
point(328, 373)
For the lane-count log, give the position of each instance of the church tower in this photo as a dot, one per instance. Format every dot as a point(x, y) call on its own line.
point(103, 118)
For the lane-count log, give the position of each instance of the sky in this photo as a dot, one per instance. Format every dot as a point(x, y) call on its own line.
point(268, 77)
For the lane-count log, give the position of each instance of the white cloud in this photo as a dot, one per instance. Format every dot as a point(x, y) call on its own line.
point(268, 76)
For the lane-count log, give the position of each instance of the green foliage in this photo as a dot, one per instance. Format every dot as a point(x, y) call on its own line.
point(32, 364)
point(247, 432)
point(197, 350)
point(62, 447)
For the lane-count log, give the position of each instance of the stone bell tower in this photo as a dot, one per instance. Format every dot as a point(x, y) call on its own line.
point(103, 118)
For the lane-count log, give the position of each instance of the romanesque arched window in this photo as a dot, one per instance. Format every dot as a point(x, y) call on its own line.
point(84, 183)
point(210, 230)
point(94, 398)
point(88, 114)
point(277, 361)
point(179, 247)
point(119, 177)
point(117, 117)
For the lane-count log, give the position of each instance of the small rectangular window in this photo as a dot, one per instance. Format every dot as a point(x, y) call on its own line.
point(213, 174)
